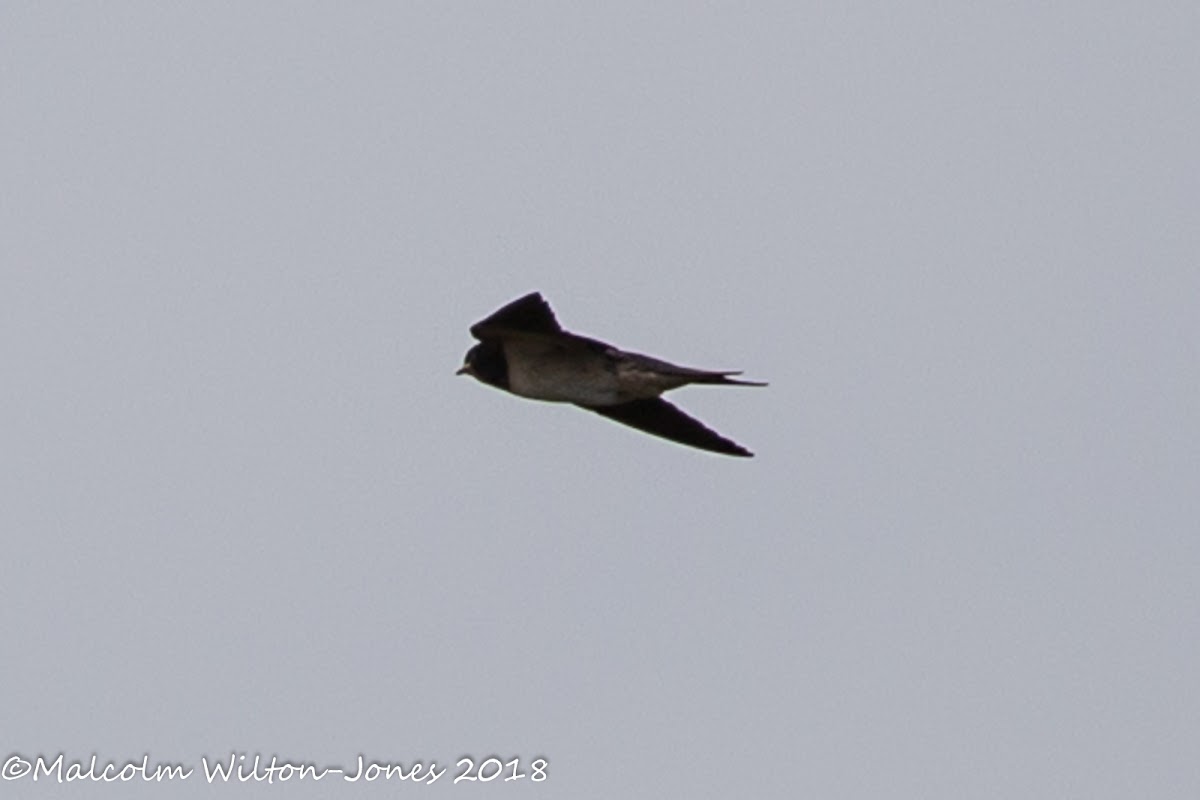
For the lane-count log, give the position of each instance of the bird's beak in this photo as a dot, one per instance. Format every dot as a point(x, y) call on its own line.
point(465, 369)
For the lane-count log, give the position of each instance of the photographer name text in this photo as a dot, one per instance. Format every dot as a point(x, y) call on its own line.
point(245, 768)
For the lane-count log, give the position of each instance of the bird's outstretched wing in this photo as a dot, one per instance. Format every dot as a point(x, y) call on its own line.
point(530, 314)
point(659, 418)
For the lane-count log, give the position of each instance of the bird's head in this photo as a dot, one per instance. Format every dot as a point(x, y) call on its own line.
point(485, 363)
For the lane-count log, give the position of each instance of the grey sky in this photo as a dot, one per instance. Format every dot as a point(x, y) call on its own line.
point(247, 507)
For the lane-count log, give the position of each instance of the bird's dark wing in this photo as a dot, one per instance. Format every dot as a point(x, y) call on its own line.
point(659, 418)
point(530, 314)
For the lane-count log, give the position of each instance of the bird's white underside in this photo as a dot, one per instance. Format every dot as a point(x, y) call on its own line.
point(542, 372)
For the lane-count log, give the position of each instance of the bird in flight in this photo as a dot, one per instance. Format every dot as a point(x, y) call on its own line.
point(523, 350)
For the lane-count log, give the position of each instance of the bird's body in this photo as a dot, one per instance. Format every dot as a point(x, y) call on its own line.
point(572, 369)
point(561, 369)
point(523, 350)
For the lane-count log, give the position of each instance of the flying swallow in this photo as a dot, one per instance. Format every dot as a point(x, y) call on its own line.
point(523, 350)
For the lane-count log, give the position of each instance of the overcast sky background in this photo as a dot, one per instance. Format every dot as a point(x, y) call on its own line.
point(248, 507)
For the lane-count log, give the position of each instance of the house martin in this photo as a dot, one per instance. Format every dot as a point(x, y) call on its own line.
point(523, 350)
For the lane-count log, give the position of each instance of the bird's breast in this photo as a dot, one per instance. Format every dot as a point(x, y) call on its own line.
point(558, 376)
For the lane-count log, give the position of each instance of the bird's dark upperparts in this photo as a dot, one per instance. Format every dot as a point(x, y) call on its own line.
point(523, 350)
